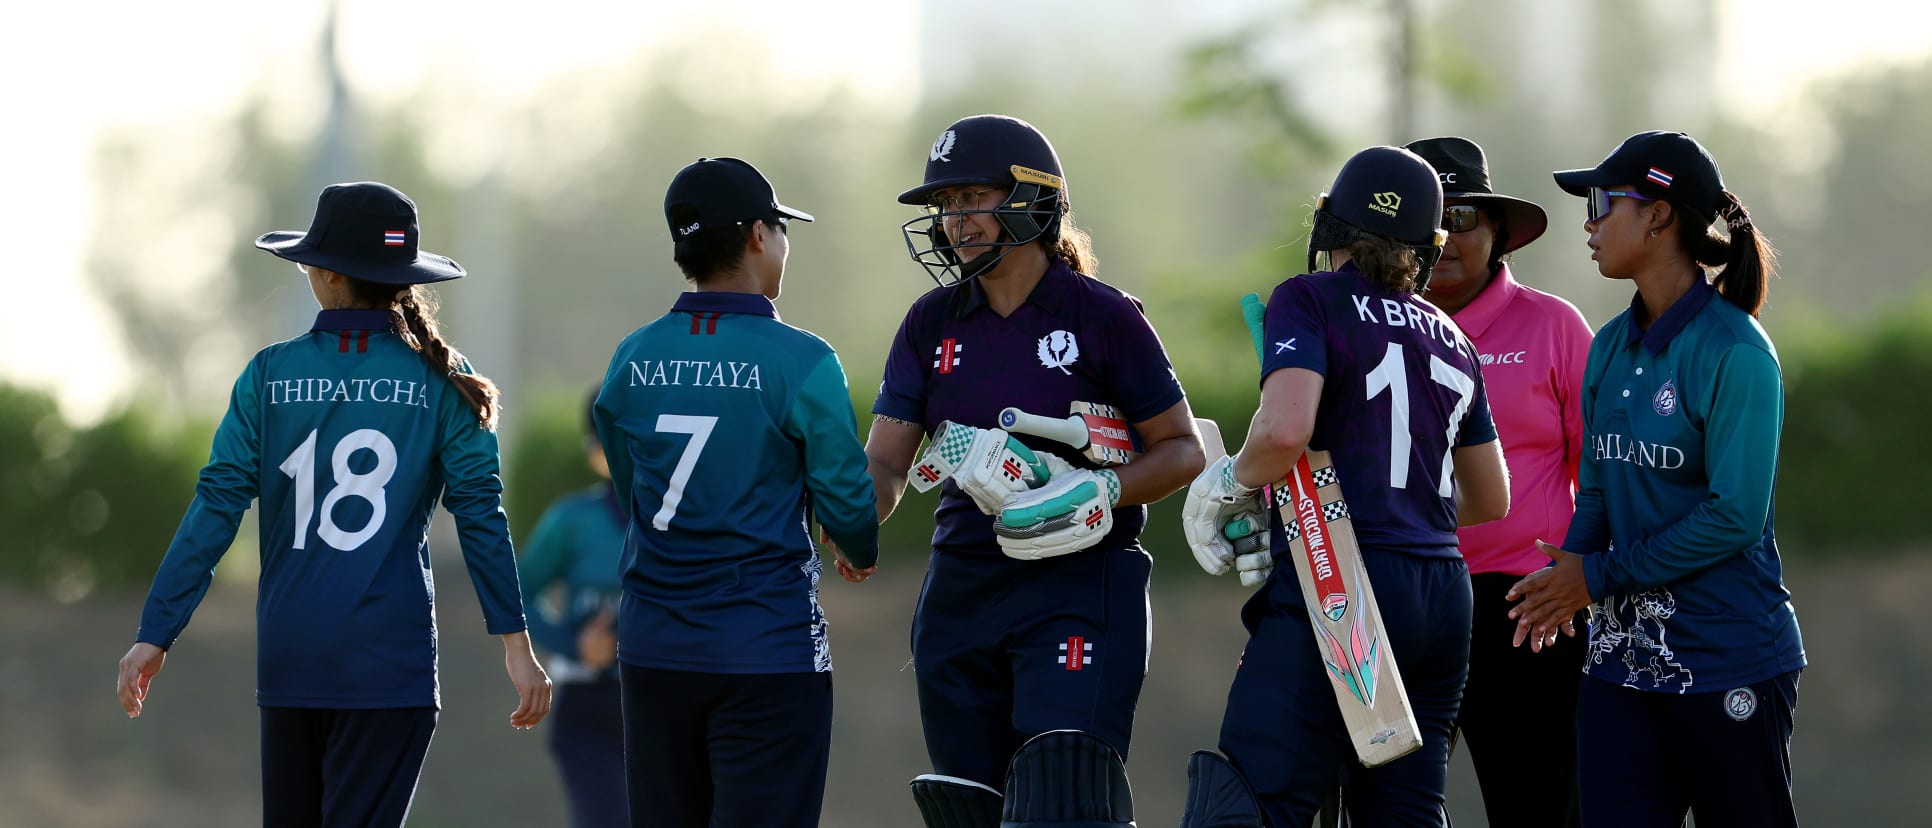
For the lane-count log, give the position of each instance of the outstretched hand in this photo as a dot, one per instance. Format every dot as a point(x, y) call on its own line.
point(138, 668)
point(1549, 599)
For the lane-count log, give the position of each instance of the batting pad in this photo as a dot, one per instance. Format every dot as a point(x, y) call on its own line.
point(1067, 779)
point(951, 802)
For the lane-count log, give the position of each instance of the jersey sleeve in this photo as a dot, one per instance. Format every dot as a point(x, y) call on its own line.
point(546, 556)
point(1478, 425)
point(820, 419)
point(1141, 380)
point(617, 452)
point(1740, 458)
point(1294, 330)
point(228, 484)
point(1590, 526)
point(902, 392)
point(474, 497)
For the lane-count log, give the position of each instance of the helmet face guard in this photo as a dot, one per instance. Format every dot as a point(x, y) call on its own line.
point(1029, 213)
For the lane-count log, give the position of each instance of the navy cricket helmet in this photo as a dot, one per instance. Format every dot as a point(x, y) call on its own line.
point(992, 151)
point(1385, 191)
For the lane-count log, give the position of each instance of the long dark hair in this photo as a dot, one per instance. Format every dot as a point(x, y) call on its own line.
point(415, 310)
point(1071, 243)
point(1744, 260)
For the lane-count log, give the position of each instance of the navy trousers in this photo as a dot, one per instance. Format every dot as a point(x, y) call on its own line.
point(719, 750)
point(586, 725)
point(1517, 698)
point(324, 768)
point(1645, 759)
point(1283, 730)
point(1007, 649)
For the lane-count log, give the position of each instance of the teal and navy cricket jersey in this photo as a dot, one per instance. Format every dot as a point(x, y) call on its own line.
point(725, 428)
point(1674, 501)
point(348, 437)
point(577, 545)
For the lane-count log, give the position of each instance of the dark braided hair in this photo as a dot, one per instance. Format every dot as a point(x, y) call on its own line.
point(415, 311)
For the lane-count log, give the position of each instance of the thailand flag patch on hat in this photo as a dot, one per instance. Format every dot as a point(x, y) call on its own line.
point(394, 238)
point(1659, 177)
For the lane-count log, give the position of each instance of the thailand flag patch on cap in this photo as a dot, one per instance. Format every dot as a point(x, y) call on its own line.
point(394, 238)
point(1659, 177)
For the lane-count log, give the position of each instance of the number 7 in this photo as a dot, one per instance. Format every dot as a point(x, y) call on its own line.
point(700, 430)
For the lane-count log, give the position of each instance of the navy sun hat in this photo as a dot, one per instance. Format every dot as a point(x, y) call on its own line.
point(366, 230)
point(1670, 166)
point(1463, 170)
point(720, 192)
point(984, 149)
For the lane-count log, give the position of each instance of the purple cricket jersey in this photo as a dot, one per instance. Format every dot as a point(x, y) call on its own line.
point(1402, 388)
point(1075, 338)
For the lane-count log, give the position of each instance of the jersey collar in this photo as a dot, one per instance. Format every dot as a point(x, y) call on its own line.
point(1487, 307)
point(355, 319)
point(1673, 322)
point(712, 301)
point(1049, 294)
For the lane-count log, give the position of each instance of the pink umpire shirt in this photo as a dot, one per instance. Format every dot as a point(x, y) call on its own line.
point(1533, 347)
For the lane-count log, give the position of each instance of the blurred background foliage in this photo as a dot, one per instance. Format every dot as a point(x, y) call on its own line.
point(1193, 151)
point(1195, 174)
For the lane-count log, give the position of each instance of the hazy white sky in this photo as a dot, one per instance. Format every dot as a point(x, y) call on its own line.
point(68, 70)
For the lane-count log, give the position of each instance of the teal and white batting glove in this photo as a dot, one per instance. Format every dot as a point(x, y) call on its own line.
point(997, 465)
point(1215, 500)
point(1073, 511)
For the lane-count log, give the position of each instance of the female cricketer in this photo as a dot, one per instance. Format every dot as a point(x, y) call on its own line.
point(1692, 667)
point(349, 435)
point(1020, 633)
point(573, 553)
point(726, 432)
point(1356, 364)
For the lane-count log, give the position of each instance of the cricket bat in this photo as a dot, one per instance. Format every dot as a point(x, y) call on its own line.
point(1341, 602)
point(1097, 430)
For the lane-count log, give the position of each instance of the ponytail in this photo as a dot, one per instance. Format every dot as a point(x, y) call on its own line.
point(415, 311)
point(1746, 258)
point(1071, 244)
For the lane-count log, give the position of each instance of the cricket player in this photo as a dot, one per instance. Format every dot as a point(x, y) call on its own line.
point(726, 431)
point(1019, 636)
point(1356, 364)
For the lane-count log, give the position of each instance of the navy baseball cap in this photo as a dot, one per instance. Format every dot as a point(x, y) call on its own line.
point(985, 149)
point(365, 230)
point(1670, 166)
point(720, 192)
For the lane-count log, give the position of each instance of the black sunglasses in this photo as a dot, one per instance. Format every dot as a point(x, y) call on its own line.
point(1461, 218)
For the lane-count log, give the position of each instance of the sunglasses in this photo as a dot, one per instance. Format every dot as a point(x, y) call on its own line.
point(1598, 202)
point(1461, 218)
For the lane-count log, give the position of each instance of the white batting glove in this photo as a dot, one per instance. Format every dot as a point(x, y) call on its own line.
point(1214, 500)
point(998, 466)
point(1248, 534)
point(1073, 511)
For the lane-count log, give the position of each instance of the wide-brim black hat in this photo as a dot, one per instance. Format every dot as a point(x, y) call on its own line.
point(365, 230)
point(1464, 171)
